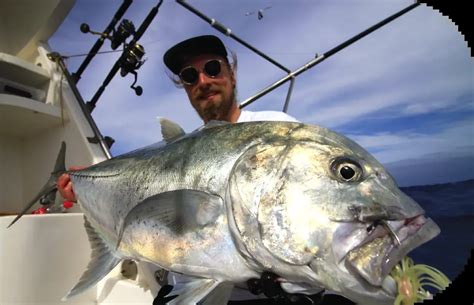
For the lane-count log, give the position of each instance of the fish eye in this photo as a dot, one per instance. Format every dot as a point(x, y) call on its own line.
point(346, 170)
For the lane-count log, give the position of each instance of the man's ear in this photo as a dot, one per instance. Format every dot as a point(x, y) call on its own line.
point(232, 79)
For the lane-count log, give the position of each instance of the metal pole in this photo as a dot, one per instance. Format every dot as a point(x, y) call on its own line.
point(326, 55)
point(76, 76)
point(290, 90)
point(97, 135)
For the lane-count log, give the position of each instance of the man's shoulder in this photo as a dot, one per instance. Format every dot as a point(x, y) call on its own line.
point(248, 116)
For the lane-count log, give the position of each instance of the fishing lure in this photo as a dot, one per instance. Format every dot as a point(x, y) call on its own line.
point(412, 279)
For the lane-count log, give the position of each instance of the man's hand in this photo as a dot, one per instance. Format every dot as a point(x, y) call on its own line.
point(64, 185)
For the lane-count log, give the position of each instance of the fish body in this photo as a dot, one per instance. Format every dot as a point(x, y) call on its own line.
point(227, 202)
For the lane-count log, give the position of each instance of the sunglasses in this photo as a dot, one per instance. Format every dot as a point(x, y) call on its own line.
point(190, 75)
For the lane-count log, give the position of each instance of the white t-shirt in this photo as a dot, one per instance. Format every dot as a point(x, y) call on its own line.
point(250, 116)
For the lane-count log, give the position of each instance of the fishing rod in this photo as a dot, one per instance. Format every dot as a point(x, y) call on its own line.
point(126, 63)
point(129, 61)
point(228, 32)
point(328, 54)
point(76, 76)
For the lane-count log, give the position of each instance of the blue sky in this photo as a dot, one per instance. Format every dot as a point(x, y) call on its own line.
point(405, 92)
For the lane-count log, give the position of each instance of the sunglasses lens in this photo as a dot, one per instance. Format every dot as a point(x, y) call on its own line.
point(212, 68)
point(189, 75)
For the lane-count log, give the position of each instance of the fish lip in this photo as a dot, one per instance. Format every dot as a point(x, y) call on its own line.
point(412, 232)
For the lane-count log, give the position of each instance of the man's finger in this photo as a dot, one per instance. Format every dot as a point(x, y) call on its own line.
point(63, 181)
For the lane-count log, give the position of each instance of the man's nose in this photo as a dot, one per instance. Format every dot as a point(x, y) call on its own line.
point(203, 79)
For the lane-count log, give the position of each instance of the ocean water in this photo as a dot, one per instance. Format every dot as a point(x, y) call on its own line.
point(451, 206)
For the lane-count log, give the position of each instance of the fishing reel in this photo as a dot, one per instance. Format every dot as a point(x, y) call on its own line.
point(130, 61)
point(131, 58)
point(125, 29)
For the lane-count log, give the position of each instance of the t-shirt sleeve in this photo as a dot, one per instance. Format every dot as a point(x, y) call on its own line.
point(248, 116)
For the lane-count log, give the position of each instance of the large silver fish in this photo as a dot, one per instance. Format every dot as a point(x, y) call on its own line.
point(229, 201)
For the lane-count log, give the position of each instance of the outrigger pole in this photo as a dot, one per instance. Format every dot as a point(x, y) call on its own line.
point(291, 75)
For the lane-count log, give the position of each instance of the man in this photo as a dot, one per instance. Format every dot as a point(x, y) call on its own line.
point(207, 76)
point(204, 71)
point(201, 66)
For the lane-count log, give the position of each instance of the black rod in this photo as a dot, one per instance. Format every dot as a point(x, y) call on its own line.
point(228, 32)
point(91, 104)
point(58, 59)
point(138, 34)
point(146, 23)
point(326, 55)
point(76, 76)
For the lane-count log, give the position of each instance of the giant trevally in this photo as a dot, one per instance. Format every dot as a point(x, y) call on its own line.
point(229, 201)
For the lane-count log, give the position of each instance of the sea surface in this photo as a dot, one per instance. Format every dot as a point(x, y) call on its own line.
point(451, 206)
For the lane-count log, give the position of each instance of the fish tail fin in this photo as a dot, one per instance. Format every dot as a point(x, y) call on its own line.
point(47, 193)
point(101, 263)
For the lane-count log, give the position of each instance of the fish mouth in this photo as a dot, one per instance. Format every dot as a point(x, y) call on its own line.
point(385, 246)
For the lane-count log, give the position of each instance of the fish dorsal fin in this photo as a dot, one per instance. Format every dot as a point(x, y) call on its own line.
point(101, 263)
point(170, 130)
point(180, 211)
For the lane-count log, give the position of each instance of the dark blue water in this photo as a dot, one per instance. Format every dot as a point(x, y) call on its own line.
point(451, 206)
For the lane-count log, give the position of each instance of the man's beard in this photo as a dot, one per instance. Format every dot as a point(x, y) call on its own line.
point(219, 112)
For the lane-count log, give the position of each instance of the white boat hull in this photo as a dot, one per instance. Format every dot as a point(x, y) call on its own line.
point(43, 256)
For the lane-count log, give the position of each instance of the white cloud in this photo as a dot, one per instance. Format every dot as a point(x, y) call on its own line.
point(455, 139)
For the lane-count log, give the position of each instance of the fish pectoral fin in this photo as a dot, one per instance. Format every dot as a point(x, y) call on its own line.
point(219, 295)
point(180, 211)
point(303, 288)
point(170, 130)
point(101, 263)
point(198, 292)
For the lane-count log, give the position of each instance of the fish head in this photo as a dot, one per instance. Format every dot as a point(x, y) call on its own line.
point(315, 207)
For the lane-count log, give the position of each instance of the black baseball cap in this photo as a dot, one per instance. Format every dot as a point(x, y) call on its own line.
point(176, 56)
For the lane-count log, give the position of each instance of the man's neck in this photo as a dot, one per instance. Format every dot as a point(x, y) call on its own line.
point(234, 113)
